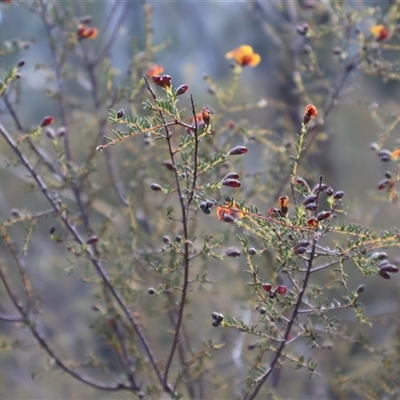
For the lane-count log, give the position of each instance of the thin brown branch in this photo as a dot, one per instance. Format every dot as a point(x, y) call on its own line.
point(73, 231)
point(186, 258)
point(261, 380)
point(46, 347)
point(10, 318)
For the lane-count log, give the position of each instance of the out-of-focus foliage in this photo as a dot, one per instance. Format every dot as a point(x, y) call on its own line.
point(175, 223)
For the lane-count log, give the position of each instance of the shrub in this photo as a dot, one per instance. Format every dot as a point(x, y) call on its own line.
point(190, 252)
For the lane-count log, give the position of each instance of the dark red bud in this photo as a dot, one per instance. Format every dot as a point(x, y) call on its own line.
point(20, 63)
point(181, 89)
point(360, 289)
point(312, 222)
point(166, 79)
point(388, 174)
point(316, 189)
point(168, 164)
point(281, 290)
point(120, 113)
point(267, 287)
point(156, 187)
point(232, 252)
point(384, 274)
point(158, 80)
point(252, 251)
point(388, 267)
point(329, 191)
point(338, 195)
point(310, 199)
point(46, 121)
point(323, 215)
point(385, 155)
point(238, 150)
point(383, 184)
point(231, 183)
point(311, 207)
point(92, 240)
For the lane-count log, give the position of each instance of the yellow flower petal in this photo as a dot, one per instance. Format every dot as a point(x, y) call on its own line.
point(255, 60)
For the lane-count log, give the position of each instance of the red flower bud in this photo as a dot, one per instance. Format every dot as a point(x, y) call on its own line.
point(157, 79)
point(384, 274)
point(310, 112)
point(120, 113)
point(281, 290)
point(181, 89)
point(168, 164)
point(311, 207)
point(383, 183)
point(310, 199)
point(312, 222)
point(385, 155)
point(231, 183)
point(338, 195)
point(329, 191)
point(267, 287)
point(238, 150)
point(166, 81)
point(232, 252)
point(323, 215)
point(316, 189)
point(46, 121)
point(92, 240)
point(156, 187)
point(163, 81)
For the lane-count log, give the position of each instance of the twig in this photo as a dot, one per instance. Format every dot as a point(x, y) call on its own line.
point(10, 318)
point(260, 381)
point(97, 265)
point(186, 259)
point(45, 346)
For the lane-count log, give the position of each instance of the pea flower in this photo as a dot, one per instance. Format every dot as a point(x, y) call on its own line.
point(244, 56)
point(154, 70)
point(380, 32)
point(84, 32)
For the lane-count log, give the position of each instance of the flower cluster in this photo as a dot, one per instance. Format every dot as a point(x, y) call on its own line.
point(86, 32)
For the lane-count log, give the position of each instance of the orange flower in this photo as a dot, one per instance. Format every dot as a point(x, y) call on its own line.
point(154, 70)
point(244, 55)
point(380, 32)
point(230, 208)
point(396, 154)
point(310, 112)
point(199, 117)
point(84, 32)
